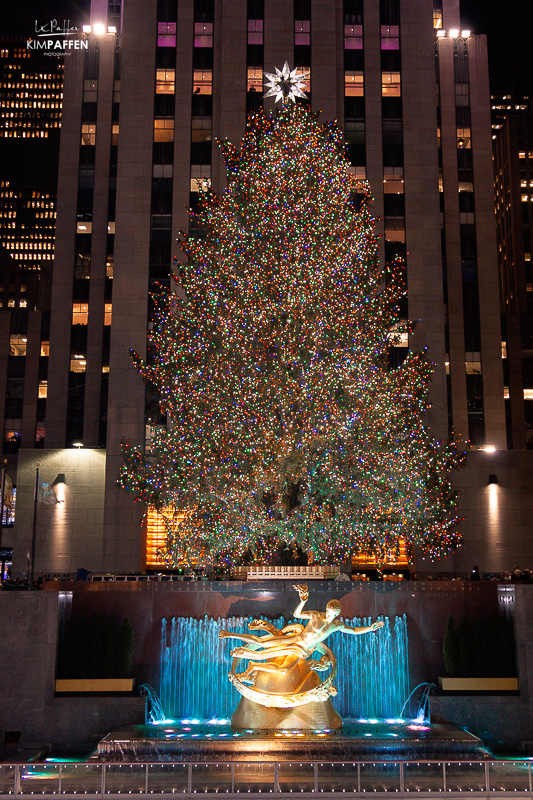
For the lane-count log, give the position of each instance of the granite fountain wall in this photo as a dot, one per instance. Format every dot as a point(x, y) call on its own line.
point(29, 623)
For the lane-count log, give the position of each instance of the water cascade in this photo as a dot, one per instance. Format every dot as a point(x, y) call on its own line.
point(373, 676)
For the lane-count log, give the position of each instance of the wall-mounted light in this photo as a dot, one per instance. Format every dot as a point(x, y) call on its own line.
point(489, 448)
point(454, 33)
point(493, 479)
point(60, 479)
point(441, 33)
point(99, 29)
point(465, 34)
point(77, 444)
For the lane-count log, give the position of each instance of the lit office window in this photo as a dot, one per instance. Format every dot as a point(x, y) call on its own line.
point(255, 31)
point(166, 34)
point(108, 308)
point(302, 31)
point(78, 362)
point(164, 129)
point(203, 34)
point(353, 84)
point(88, 133)
point(43, 389)
point(203, 81)
point(165, 81)
point(353, 37)
point(254, 82)
point(80, 313)
point(390, 84)
point(17, 344)
point(390, 37)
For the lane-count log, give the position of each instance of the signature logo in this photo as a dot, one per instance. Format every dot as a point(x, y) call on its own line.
point(55, 38)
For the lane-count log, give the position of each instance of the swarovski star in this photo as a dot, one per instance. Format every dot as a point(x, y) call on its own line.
point(285, 84)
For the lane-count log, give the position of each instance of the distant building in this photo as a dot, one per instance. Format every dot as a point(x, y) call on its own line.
point(31, 89)
point(513, 184)
point(143, 109)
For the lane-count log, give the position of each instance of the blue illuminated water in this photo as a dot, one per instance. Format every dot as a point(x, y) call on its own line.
point(372, 678)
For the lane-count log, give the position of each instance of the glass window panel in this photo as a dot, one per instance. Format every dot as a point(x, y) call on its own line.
point(390, 37)
point(17, 344)
point(353, 37)
point(254, 82)
point(255, 31)
point(165, 81)
point(78, 363)
point(164, 129)
point(354, 84)
point(203, 34)
point(203, 81)
point(390, 84)
point(88, 133)
point(80, 313)
point(108, 309)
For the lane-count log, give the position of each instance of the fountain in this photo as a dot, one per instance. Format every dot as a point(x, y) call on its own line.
point(196, 698)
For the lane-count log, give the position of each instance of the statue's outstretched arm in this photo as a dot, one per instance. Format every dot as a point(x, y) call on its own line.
point(356, 631)
point(303, 591)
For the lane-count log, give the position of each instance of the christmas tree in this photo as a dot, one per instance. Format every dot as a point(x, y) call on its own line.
point(287, 418)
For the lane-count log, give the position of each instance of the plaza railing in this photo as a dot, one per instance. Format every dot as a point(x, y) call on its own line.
point(379, 778)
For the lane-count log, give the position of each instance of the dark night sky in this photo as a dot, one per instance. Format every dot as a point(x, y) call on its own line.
point(509, 27)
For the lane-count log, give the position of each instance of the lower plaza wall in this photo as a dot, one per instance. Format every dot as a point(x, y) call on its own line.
point(29, 623)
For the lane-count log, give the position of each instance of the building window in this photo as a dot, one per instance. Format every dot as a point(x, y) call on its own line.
point(302, 31)
point(114, 134)
point(437, 18)
point(164, 129)
point(80, 313)
point(462, 94)
point(17, 344)
point(45, 349)
point(255, 31)
point(254, 81)
point(203, 34)
point(200, 177)
point(165, 81)
point(390, 84)
point(390, 37)
point(353, 37)
point(166, 34)
point(463, 138)
point(90, 91)
point(78, 362)
point(84, 226)
point(43, 390)
point(162, 171)
point(200, 130)
point(88, 133)
point(203, 81)
point(108, 308)
point(353, 84)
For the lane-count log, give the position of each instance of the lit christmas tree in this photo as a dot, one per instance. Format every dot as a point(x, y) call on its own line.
point(288, 420)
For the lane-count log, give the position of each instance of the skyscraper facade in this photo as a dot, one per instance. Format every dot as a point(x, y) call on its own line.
point(144, 106)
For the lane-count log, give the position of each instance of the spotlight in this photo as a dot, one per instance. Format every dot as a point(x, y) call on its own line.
point(493, 479)
point(454, 33)
point(60, 479)
point(99, 28)
point(441, 34)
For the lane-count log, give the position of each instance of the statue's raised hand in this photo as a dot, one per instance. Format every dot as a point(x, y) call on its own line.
point(378, 624)
point(302, 590)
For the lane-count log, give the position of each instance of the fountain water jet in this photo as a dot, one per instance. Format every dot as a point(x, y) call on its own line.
point(373, 672)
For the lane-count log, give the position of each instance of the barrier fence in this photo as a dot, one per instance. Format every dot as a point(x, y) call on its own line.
point(299, 777)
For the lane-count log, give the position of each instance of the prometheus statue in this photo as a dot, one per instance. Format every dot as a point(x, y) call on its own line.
point(281, 673)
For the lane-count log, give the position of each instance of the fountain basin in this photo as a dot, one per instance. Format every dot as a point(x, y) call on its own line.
point(358, 739)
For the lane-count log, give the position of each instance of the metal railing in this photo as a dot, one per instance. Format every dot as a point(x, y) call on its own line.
point(282, 778)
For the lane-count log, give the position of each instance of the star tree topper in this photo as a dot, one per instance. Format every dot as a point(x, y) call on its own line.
point(286, 84)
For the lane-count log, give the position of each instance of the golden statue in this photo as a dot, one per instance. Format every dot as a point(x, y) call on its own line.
point(281, 675)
